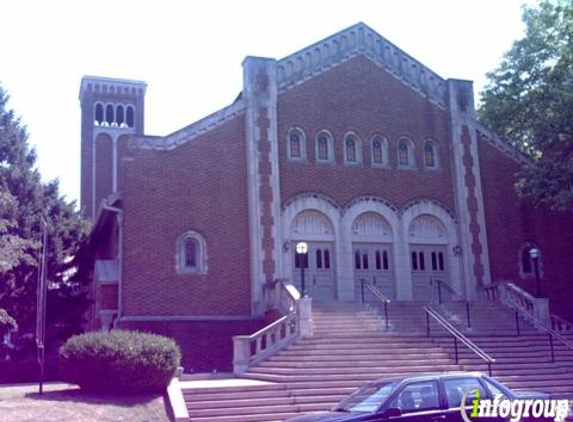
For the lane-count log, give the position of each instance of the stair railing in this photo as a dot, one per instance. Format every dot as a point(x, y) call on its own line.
point(458, 336)
point(537, 308)
point(378, 295)
point(560, 324)
point(444, 288)
point(251, 349)
point(552, 334)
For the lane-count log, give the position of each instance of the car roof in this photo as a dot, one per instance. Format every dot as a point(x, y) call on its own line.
point(427, 377)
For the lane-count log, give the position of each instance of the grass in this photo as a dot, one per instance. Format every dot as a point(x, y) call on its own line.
point(65, 402)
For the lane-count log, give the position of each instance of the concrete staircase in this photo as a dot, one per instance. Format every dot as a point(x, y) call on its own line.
point(524, 361)
point(351, 346)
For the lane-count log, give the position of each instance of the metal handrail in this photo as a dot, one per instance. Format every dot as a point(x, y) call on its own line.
point(457, 336)
point(447, 286)
point(378, 295)
point(453, 293)
point(552, 333)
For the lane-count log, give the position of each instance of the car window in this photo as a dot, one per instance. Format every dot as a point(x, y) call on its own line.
point(494, 389)
point(417, 396)
point(457, 388)
point(368, 398)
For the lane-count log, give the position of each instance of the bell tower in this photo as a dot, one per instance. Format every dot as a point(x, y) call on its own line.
point(112, 110)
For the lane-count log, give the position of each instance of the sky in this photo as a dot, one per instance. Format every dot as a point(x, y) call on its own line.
point(190, 53)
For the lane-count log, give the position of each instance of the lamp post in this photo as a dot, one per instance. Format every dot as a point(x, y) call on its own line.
point(301, 251)
point(535, 253)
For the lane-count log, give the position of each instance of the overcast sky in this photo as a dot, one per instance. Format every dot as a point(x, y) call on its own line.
point(190, 53)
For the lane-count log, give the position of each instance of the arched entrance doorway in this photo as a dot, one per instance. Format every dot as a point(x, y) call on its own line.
point(372, 254)
point(428, 254)
point(314, 228)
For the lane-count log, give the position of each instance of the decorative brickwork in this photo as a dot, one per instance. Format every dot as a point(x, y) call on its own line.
point(472, 205)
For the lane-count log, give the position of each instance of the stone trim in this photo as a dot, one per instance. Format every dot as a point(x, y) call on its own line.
point(360, 39)
point(369, 199)
point(190, 132)
point(303, 155)
point(359, 147)
point(310, 195)
point(202, 256)
point(427, 201)
point(505, 147)
point(151, 318)
point(177, 401)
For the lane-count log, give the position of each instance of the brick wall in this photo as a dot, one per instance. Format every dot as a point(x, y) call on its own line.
point(205, 345)
point(359, 96)
point(108, 296)
point(511, 222)
point(199, 186)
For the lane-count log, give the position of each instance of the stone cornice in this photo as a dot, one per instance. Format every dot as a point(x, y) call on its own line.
point(192, 131)
point(360, 39)
point(495, 140)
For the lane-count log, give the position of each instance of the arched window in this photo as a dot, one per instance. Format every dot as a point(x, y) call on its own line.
point(130, 117)
point(98, 114)
point(324, 152)
point(191, 255)
point(431, 156)
point(405, 153)
point(109, 118)
point(527, 264)
point(296, 144)
point(379, 151)
point(352, 149)
point(119, 117)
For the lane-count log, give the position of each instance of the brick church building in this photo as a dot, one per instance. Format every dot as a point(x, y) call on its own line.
point(351, 145)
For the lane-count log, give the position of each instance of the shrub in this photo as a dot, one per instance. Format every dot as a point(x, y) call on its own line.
point(119, 361)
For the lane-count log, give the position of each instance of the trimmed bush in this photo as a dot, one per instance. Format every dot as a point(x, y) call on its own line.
point(119, 361)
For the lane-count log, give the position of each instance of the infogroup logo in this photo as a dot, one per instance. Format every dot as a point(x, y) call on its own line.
point(515, 409)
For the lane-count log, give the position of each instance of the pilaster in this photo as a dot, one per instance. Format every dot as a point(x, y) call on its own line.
point(260, 93)
point(468, 191)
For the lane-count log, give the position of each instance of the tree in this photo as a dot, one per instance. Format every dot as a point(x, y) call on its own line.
point(24, 202)
point(529, 102)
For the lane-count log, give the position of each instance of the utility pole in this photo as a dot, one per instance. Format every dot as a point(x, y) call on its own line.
point(41, 303)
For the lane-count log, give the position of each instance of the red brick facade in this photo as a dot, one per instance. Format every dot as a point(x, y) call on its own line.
point(512, 222)
point(229, 181)
point(201, 186)
point(361, 97)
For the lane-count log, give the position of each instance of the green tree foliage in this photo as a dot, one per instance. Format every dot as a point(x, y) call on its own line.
point(24, 201)
point(529, 101)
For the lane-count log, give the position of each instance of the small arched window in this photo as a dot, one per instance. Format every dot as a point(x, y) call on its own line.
point(379, 151)
point(296, 144)
point(130, 117)
point(405, 153)
point(527, 265)
point(98, 114)
point(324, 152)
point(109, 117)
point(191, 255)
point(352, 149)
point(431, 156)
point(119, 117)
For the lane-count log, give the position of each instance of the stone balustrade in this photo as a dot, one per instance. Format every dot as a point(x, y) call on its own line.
point(297, 323)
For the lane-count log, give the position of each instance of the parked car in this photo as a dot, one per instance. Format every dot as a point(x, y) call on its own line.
point(434, 398)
